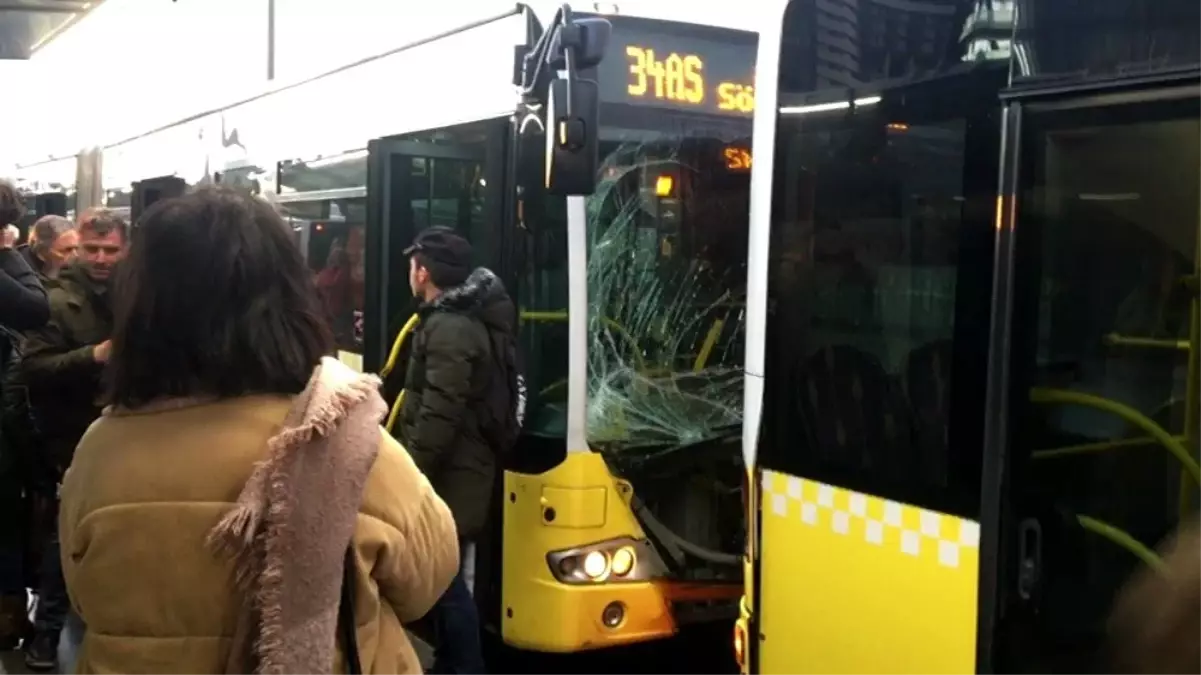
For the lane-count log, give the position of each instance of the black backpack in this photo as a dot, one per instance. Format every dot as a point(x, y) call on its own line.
point(505, 396)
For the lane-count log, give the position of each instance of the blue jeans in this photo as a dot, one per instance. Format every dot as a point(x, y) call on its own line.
point(53, 603)
point(456, 626)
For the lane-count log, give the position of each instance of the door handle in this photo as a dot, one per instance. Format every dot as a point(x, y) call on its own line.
point(1030, 557)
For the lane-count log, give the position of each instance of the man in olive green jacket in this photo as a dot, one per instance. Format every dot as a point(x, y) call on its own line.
point(443, 419)
point(61, 365)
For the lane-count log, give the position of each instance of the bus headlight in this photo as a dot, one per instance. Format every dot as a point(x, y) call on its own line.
point(617, 560)
point(596, 565)
point(624, 560)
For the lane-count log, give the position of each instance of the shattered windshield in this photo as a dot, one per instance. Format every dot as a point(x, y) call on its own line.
point(667, 231)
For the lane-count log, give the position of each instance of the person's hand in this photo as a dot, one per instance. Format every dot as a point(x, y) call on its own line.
point(102, 351)
point(8, 237)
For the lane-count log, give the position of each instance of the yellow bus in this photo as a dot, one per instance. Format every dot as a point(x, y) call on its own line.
point(619, 517)
point(972, 395)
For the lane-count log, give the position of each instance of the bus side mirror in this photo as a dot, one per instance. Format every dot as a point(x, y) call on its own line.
point(571, 109)
point(587, 38)
point(572, 137)
point(573, 106)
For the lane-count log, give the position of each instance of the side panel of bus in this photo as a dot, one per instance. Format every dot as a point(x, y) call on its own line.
point(902, 599)
point(879, 286)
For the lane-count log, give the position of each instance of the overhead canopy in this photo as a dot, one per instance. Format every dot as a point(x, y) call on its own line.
point(27, 25)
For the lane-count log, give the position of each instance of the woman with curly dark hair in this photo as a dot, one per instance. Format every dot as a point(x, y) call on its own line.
point(207, 515)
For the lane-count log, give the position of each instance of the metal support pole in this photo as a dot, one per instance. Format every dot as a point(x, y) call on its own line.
point(270, 40)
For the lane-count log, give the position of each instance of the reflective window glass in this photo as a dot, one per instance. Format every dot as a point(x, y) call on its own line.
point(330, 234)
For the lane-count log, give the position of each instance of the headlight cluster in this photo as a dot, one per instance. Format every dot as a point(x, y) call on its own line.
point(611, 561)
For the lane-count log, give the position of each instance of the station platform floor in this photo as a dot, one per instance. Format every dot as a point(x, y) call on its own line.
point(14, 661)
point(701, 648)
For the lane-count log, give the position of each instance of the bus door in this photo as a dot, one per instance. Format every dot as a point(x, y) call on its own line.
point(454, 177)
point(450, 176)
point(1098, 444)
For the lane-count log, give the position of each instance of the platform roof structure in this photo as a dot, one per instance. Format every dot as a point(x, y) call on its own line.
point(28, 25)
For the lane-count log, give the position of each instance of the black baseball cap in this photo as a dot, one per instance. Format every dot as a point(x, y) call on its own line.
point(445, 254)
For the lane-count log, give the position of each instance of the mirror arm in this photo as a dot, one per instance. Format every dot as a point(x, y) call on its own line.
point(570, 38)
point(537, 55)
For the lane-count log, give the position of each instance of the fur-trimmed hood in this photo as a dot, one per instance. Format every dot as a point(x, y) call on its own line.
point(482, 295)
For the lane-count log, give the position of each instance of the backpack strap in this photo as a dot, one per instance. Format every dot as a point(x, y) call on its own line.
point(346, 625)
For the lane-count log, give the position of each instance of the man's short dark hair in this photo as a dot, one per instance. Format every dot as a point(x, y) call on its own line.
point(12, 204)
point(101, 221)
point(214, 299)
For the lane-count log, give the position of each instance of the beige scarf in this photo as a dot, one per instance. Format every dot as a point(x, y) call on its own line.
point(292, 523)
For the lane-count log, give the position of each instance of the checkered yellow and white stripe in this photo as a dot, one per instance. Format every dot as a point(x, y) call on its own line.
point(854, 583)
point(879, 522)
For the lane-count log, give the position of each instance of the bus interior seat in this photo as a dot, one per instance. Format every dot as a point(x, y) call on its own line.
point(852, 411)
point(928, 388)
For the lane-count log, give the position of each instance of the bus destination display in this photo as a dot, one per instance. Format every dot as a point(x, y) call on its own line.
point(679, 70)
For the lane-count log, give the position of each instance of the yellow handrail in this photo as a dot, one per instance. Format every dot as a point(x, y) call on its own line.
point(711, 339)
point(393, 356)
point(1122, 539)
point(398, 343)
point(1086, 448)
point(561, 315)
point(1173, 445)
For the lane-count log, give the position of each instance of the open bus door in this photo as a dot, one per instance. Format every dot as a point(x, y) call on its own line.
point(1092, 453)
point(451, 176)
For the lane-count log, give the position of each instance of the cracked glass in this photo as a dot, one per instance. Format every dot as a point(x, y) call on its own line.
point(667, 231)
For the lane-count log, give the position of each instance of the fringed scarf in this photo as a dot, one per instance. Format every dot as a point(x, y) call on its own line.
point(294, 519)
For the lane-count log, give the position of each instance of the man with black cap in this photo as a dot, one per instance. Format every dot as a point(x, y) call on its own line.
point(467, 321)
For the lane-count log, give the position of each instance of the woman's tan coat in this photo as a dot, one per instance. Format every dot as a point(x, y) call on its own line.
point(145, 490)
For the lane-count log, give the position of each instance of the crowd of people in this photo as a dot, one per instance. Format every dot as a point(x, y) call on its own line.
point(190, 477)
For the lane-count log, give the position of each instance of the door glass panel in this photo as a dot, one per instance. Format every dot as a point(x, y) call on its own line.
point(1104, 329)
point(542, 299)
point(434, 177)
point(447, 193)
point(435, 191)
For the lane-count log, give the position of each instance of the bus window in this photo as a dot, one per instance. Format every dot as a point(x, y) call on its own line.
point(329, 234)
point(667, 231)
point(324, 205)
point(878, 284)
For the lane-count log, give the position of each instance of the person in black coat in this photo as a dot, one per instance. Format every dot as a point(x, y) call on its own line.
point(23, 303)
point(23, 306)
